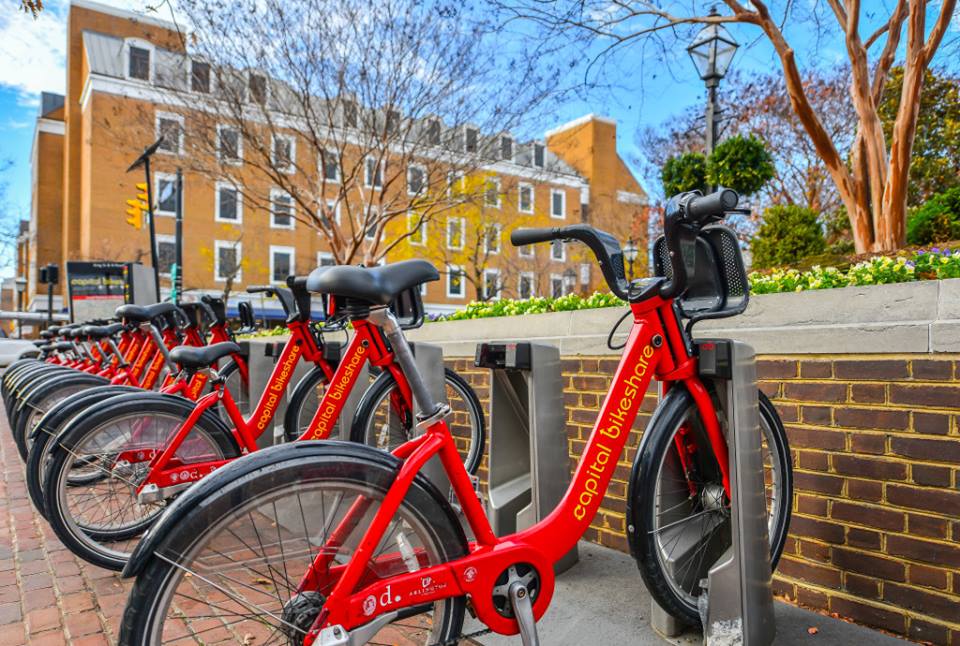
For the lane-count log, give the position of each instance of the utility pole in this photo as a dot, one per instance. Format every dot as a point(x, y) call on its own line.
point(144, 160)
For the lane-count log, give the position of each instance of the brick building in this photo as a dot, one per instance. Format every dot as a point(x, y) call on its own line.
point(117, 67)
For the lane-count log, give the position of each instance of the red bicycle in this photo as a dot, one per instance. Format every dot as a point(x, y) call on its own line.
point(329, 544)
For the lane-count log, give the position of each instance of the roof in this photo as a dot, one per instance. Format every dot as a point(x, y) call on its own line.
point(123, 13)
point(50, 102)
point(104, 54)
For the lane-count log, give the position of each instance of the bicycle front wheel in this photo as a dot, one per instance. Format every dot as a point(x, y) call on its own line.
point(231, 567)
point(680, 515)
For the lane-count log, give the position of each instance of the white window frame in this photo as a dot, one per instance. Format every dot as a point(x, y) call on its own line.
point(213, 76)
point(275, 193)
point(486, 239)
point(216, 203)
point(563, 204)
point(486, 191)
point(533, 155)
point(420, 237)
point(533, 193)
point(293, 153)
point(513, 148)
point(554, 277)
point(171, 116)
point(532, 277)
point(367, 180)
point(169, 239)
point(321, 255)
point(293, 261)
point(463, 232)
point(323, 171)
point(266, 88)
point(467, 129)
point(423, 187)
point(239, 159)
point(492, 271)
point(526, 251)
point(375, 215)
point(335, 204)
point(139, 43)
point(454, 178)
point(451, 270)
point(558, 244)
point(226, 244)
point(157, 178)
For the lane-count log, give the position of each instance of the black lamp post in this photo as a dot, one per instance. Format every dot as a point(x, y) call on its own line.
point(712, 51)
point(630, 252)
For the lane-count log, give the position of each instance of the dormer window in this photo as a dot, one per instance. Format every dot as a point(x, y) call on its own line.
point(138, 54)
point(539, 153)
point(433, 132)
point(258, 88)
point(200, 76)
point(350, 114)
point(471, 139)
point(506, 148)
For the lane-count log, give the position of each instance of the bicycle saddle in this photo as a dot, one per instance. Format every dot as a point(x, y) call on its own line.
point(191, 358)
point(101, 331)
point(142, 314)
point(374, 285)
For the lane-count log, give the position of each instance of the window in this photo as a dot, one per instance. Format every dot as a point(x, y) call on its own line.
point(371, 231)
point(166, 253)
point(281, 210)
point(526, 251)
point(455, 282)
point(325, 259)
point(491, 239)
point(416, 179)
point(200, 76)
point(284, 153)
point(539, 155)
point(393, 121)
point(227, 260)
point(433, 132)
point(258, 88)
point(525, 198)
point(417, 228)
point(454, 182)
point(138, 61)
point(373, 173)
point(350, 114)
point(333, 208)
point(558, 204)
point(229, 145)
point(165, 194)
point(556, 286)
point(471, 140)
point(506, 148)
point(170, 127)
point(281, 263)
point(455, 227)
point(330, 161)
point(557, 251)
point(229, 206)
point(527, 287)
point(491, 284)
point(491, 192)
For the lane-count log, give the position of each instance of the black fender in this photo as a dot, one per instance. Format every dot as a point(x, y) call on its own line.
point(58, 415)
point(242, 467)
point(677, 400)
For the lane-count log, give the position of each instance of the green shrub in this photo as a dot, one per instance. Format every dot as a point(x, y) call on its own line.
point(938, 220)
point(687, 172)
point(789, 233)
point(740, 163)
point(536, 305)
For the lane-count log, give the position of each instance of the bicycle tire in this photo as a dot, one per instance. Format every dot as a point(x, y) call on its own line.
point(268, 478)
point(298, 414)
point(39, 402)
point(382, 386)
point(644, 530)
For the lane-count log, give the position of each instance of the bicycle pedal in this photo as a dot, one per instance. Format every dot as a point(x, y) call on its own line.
point(523, 611)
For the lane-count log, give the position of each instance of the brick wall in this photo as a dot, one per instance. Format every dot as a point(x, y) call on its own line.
point(875, 534)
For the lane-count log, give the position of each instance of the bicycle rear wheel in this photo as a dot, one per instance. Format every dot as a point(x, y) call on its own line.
point(678, 534)
point(232, 565)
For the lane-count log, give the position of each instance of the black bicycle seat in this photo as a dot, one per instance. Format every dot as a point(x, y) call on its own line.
point(142, 314)
point(192, 358)
point(374, 285)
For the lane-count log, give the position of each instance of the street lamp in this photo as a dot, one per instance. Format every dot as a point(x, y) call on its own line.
point(21, 284)
point(712, 51)
point(630, 252)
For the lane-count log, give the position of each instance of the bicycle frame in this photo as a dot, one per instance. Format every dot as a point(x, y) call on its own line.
point(655, 348)
point(366, 345)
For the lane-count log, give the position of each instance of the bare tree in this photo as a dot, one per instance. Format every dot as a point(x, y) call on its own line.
point(873, 186)
point(347, 116)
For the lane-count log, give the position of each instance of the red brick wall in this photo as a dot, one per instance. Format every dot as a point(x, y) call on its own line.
point(875, 534)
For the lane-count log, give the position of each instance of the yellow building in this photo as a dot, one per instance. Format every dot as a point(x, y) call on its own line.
point(116, 104)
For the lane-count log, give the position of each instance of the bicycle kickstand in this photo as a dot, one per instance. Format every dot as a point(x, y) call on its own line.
point(523, 611)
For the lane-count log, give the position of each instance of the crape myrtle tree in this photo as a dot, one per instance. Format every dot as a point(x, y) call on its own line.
point(346, 116)
point(872, 180)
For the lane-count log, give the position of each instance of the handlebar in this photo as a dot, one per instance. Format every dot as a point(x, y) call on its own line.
point(702, 208)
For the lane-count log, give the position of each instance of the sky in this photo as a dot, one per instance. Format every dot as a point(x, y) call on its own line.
point(641, 88)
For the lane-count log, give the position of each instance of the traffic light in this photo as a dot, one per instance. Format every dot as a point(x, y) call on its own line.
point(137, 207)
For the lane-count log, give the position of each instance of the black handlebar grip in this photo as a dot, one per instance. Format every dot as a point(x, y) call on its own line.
point(521, 237)
point(715, 204)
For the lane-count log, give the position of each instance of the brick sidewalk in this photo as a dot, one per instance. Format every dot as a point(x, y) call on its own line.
point(47, 595)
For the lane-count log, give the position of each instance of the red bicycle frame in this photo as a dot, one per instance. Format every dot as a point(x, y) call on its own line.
point(655, 349)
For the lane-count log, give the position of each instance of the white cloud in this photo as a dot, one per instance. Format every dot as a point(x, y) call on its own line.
point(33, 51)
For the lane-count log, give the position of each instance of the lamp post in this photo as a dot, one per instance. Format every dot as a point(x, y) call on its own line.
point(630, 252)
point(712, 51)
point(21, 284)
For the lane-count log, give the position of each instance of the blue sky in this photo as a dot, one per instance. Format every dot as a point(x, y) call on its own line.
point(643, 89)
